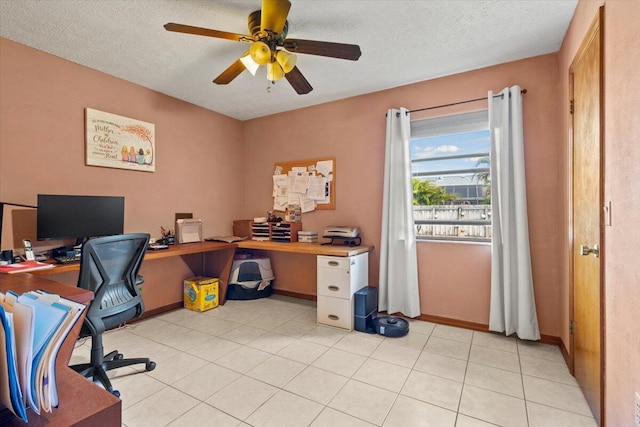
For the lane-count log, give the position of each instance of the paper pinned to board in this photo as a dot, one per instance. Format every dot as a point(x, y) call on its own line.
point(325, 167)
point(317, 186)
point(306, 204)
point(300, 182)
point(280, 185)
point(309, 184)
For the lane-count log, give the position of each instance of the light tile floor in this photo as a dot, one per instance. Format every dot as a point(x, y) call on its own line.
point(266, 363)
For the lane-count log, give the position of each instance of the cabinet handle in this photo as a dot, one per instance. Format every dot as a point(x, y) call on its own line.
point(334, 288)
point(333, 317)
point(333, 263)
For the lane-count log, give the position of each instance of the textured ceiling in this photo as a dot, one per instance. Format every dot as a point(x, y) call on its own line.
point(402, 42)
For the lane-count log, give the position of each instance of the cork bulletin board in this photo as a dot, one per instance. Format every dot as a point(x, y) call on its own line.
point(323, 167)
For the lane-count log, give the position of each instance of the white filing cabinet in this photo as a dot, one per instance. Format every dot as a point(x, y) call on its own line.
point(338, 279)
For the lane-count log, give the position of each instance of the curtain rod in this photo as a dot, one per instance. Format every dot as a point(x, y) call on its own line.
point(523, 91)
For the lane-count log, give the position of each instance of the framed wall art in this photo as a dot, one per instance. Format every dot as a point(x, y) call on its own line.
point(115, 141)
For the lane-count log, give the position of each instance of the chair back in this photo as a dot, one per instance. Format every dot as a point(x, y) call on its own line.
point(109, 267)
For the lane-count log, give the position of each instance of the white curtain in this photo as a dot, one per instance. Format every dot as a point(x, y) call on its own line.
point(398, 287)
point(513, 307)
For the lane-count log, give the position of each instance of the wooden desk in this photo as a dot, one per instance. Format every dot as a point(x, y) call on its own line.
point(81, 401)
point(304, 248)
point(173, 250)
point(292, 263)
point(216, 261)
point(295, 264)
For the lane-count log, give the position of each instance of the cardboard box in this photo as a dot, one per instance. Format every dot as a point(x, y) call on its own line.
point(201, 293)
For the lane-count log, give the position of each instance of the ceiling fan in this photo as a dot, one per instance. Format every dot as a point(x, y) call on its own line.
point(271, 47)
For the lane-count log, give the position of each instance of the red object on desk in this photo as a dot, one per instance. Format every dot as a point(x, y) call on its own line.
point(24, 267)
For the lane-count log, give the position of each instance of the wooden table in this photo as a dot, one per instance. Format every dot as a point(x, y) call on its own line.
point(216, 261)
point(81, 401)
point(295, 264)
point(304, 248)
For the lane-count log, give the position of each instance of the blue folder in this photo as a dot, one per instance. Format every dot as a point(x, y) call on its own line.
point(17, 403)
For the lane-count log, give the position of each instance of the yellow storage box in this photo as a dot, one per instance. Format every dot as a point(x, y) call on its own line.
point(201, 293)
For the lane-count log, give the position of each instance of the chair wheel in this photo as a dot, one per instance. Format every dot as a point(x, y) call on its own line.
point(116, 393)
point(150, 366)
point(118, 356)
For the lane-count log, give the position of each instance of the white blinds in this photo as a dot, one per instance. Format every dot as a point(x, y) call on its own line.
point(457, 123)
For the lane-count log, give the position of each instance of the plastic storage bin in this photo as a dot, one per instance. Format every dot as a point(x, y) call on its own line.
point(250, 279)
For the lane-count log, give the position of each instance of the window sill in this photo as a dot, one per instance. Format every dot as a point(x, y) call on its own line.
point(465, 242)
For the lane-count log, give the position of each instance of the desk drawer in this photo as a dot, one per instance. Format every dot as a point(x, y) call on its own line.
point(334, 312)
point(333, 262)
point(334, 283)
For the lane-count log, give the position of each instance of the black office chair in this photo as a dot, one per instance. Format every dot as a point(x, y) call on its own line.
point(109, 267)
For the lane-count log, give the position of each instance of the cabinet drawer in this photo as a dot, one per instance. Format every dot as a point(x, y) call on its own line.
point(342, 263)
point(334, 283)
point(334, 312)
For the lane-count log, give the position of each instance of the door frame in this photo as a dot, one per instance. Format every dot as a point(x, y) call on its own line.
point(596, 25)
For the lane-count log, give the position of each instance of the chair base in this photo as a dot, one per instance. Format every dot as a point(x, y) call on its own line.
point(113, 360)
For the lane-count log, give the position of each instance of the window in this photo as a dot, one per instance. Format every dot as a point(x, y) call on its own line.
point(450, 160)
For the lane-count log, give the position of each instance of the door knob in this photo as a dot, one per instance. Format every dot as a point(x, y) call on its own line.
point(586, 250)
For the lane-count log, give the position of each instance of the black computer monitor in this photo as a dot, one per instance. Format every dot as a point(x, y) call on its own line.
point(79, 217)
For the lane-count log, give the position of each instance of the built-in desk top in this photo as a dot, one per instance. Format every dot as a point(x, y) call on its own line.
point(172, 251)
point(304, 248)
point(194, 248)
point(25, 282)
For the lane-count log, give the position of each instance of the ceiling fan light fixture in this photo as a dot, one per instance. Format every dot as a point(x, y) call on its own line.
point(286, 60)
point(260, 53)
point(269, 45)
point(274, 72)
point(250, 64)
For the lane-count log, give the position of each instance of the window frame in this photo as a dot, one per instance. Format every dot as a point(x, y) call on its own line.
point(449, 125)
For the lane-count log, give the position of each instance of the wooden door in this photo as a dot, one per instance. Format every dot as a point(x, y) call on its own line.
point(587, 298)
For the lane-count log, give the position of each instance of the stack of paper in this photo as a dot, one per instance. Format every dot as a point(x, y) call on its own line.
point(34, 325)
point(307, 236)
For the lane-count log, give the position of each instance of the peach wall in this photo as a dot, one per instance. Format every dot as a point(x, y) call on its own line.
point(621, 172)
point(622, 239)
point(199, 160)
point(355, 137)
point(454, 278)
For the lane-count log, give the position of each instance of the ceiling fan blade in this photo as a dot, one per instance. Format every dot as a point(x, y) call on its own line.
point(230, 73)
point(188, 29)
point(332, 50)
point(274, 15)
point(298, 81)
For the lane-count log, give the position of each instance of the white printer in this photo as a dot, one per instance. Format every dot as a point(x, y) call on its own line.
point(341, 231)
point(344, 235)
